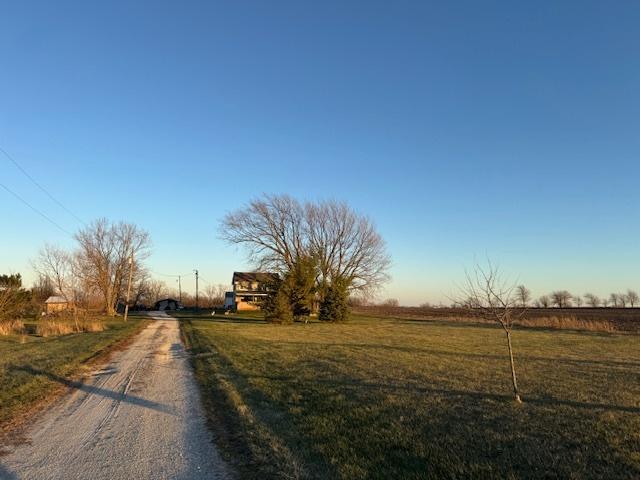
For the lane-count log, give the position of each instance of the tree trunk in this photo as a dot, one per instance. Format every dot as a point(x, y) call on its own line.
point(513, 370)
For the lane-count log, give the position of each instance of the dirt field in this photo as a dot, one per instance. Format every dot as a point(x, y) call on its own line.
point(621, 319)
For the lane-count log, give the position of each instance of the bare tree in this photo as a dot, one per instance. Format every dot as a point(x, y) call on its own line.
point(489, 296)
point(270, 228)
point(42, 288)
point(592, 300)
point(523, 295)
point(104, 252)
point(277, 231)
point(56, 265)
point(140, 285)
point(632, 298)
point(543, 302)
point(577, 300)
point(156, 290)
point(622, 300)
point(561, 298)
point(605, 302)
point(214, 295)
point(347, 246)
point(614, 300)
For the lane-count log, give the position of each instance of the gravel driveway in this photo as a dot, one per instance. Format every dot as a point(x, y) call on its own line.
point(138, 417)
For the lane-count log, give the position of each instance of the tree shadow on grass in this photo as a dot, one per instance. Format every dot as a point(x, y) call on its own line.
point(447, 392)
point(95, 390)
point(436, 431)
point(486, 356)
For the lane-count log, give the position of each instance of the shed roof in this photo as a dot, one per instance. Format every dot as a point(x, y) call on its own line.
point(56, 299)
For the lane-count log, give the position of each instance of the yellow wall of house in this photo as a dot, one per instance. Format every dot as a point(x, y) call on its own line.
point(246, 306)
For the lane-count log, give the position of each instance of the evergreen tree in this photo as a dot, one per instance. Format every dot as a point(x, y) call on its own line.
point(300, 285)
point(334, 306)
point(277, 306)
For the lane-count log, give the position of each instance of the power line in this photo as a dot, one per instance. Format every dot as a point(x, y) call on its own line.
point(171, 275)
point(35, 209)
point(33, 180)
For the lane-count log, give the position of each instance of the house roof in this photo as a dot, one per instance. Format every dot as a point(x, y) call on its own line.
point(254, 277)
point(56, 299)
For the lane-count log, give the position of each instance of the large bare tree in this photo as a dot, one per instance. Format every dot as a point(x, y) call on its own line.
point(347, 246)
point(272, 230)
point(277, 231)
point(488, 295)
point(104, 252)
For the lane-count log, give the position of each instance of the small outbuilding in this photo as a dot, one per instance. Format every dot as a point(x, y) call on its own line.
point(168, 304)
point(56, 303)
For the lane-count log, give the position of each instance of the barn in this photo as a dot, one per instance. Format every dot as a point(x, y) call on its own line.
point(168, 304)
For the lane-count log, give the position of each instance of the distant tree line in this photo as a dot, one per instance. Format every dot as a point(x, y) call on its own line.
point(564, 299)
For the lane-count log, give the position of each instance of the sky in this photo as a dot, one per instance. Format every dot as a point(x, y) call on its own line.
point(465, 130)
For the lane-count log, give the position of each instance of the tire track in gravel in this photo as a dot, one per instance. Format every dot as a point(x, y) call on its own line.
point(138, 417)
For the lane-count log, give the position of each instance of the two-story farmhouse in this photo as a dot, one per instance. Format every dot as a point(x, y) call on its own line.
point(249, 290)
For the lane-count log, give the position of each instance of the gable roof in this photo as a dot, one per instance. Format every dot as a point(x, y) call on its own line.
point(168, 300)
point(55, 299)
point(262, 277)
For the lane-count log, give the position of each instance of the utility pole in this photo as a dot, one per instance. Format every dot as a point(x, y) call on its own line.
point(180, 288)
point(126, 307)
point(196, 289)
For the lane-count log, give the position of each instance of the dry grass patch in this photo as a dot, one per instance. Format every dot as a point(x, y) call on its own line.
point(11, 327)
point(569, 323)
point(54, 327)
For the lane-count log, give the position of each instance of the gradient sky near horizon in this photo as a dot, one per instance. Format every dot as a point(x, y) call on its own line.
point(464, 129)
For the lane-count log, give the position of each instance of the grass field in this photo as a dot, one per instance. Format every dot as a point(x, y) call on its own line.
point(32, 367)
point(403, 399)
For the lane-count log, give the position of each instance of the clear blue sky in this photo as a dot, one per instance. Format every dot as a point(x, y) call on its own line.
point(464, 129)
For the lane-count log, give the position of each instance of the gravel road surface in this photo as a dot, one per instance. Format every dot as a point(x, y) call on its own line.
point(137, 417)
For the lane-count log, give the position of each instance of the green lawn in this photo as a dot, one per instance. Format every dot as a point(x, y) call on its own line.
point(404, 399)
point(31, 367)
